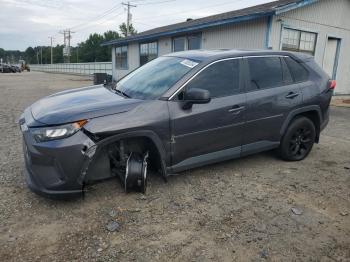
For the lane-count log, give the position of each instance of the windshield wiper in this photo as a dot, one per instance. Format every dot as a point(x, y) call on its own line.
point(121, 93)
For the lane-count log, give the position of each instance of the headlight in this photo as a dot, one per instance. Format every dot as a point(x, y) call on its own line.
point(57, 132)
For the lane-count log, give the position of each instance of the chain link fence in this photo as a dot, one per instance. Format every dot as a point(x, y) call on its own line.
point(75, 68)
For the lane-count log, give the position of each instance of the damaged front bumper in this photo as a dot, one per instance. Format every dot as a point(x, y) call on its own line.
point(57, 168)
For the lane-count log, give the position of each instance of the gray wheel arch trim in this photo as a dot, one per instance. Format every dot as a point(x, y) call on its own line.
point(292, 114)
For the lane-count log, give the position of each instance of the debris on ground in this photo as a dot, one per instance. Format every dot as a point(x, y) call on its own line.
point(113, 213)
point(113, 226)
point(296, 211)
point(344, 213)
point(143, 197)
point(263, 254)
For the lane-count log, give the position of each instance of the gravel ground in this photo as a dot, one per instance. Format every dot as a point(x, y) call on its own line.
point(251, 209)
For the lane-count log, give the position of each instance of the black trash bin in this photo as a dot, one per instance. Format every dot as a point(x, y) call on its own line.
point(99, 78)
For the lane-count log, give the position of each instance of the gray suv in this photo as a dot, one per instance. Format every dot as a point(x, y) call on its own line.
point(177, 112)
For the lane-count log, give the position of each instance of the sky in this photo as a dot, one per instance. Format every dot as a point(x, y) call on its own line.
point(26, 23)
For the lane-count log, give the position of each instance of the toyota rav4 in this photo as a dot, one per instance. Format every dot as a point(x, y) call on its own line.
point(177, 112)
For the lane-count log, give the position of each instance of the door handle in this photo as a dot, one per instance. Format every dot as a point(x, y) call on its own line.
point(292, 95)
point(236, 109)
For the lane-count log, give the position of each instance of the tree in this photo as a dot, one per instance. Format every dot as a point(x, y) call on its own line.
point(30, 55)
point(2, 53)
point(89, 50)
point(122, 28)
point(110, 35)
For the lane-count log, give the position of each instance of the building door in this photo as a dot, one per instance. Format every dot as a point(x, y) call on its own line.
point(330, 60)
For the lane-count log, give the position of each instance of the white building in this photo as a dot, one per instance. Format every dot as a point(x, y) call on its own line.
point(317, 27)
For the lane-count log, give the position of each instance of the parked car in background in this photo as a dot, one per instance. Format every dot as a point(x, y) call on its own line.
point(177, 112)
point(15, 69)
point(4, 68)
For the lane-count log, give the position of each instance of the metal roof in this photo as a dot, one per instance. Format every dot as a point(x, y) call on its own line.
point(196, 25)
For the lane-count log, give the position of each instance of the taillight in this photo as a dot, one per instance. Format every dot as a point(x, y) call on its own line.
point(332, 84)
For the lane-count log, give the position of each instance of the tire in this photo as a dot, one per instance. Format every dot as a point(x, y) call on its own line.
point(298, 140)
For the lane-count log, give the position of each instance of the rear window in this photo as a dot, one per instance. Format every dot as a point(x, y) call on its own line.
point(299, 73)
point(265, 72)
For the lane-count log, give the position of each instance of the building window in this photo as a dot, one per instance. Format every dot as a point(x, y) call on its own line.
point(121, 57)
point(190, 42)
point(194, 42)
point(299, 41)
point(179, 44)
point(148, 52)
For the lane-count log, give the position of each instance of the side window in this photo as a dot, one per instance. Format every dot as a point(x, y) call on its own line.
point(287, 77)
point(220, 79)
point(265, 72)
point(299, 73)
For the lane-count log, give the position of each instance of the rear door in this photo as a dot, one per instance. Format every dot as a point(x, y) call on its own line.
point(212, 127)
point(271, 95)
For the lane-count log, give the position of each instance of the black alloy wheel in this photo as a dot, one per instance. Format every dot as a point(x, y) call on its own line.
point(298, 140)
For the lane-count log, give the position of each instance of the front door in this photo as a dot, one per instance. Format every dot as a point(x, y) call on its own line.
point(210, 131)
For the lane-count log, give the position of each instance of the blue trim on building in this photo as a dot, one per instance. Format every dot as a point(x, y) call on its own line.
point(293, 6)
point(188, 29)
point(268, 31)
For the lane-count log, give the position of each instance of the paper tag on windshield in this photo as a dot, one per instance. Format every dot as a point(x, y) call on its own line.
point(189, 63)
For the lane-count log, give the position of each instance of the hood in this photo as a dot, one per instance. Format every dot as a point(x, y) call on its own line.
point(80, 103)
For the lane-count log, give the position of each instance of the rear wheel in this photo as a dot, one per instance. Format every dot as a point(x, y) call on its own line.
point(298, 140)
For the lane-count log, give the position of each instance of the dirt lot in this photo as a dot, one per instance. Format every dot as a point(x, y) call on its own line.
point(240, 210)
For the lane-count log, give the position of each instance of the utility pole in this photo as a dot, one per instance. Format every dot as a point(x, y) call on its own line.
point(67, 35)
point(78, 54)
point(128, 19)
point(51, 38)
point(41, 55)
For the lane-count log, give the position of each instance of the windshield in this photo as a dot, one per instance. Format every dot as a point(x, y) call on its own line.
point(154, 78)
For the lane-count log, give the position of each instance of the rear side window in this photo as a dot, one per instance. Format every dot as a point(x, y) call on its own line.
point(265, 72)
point(299, 73)
point(220, 79)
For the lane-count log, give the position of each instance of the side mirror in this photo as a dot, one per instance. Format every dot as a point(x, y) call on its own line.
point(195, 96)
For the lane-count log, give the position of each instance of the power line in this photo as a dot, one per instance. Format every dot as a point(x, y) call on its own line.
point(158, 2)
point(100, 16)
point(189, 11)
point(90, 25)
